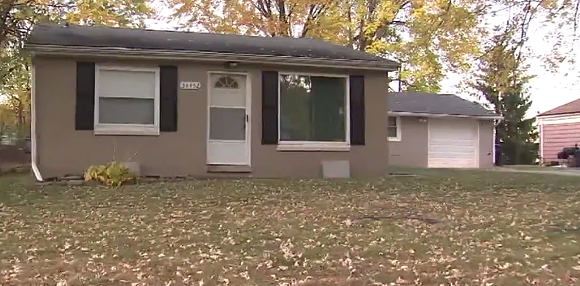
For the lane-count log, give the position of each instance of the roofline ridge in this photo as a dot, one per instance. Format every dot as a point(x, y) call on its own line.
point(209, 56)
point(52, 30)
point(545, 113)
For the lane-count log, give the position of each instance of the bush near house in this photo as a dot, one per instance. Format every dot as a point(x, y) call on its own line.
point(112, 174)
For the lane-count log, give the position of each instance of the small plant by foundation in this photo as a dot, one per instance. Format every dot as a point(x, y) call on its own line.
point(112, 174)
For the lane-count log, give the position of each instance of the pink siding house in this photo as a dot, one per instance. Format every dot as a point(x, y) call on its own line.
point(559, 128)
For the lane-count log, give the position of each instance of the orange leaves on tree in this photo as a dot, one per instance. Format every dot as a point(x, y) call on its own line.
point(295, 18)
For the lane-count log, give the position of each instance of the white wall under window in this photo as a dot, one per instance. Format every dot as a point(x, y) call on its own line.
point(126, 100)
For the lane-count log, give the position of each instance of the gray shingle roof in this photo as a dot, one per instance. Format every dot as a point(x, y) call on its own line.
point(96, 36)
point(432, 103)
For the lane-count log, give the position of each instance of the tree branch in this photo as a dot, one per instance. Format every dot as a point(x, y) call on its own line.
point(314, 12)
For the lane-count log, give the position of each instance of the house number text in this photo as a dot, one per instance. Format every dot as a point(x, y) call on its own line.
point(190, 85)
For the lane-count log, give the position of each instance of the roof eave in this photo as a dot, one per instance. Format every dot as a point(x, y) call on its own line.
point(207, 56)
point(421, 114)
point(563, 114)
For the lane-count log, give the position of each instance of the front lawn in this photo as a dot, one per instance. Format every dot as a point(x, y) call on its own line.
point(442, 228)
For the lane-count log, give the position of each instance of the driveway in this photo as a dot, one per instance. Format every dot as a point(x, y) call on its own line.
point(541, 170)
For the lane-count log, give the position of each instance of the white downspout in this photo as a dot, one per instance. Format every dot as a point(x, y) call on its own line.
point(34, 153)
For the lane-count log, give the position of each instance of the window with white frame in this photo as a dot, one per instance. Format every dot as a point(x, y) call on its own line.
point(127, 100)
point(313, 109)
point(394, 128)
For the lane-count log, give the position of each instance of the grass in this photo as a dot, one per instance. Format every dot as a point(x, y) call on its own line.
point(441, 228)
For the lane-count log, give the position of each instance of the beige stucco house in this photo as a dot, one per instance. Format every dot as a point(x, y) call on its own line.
point(439, 131)
point(188, 104)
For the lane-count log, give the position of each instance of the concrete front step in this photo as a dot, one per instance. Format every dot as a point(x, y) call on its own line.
point(237, 169)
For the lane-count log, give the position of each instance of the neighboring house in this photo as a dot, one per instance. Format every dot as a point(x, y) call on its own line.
point(439, 131)
point(559, 128)
point(181, 103)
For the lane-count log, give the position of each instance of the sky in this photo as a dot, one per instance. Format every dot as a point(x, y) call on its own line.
point(547, 90)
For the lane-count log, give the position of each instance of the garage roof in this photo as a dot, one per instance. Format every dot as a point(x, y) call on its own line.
point(436, 104)
point(151, 40)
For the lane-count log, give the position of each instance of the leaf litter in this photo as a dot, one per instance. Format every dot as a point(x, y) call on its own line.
point(441, 228)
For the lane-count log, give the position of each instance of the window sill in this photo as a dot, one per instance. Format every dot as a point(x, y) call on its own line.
point(396, 139)
point(127, 130)
point(325, 147)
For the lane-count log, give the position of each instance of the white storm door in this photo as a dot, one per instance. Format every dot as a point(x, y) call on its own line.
point(228, 136)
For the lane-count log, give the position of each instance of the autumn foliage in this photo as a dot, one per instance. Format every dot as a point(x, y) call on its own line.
point(427, 36)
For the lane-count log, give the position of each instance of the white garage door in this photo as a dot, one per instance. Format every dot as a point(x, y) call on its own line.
point(453, 143)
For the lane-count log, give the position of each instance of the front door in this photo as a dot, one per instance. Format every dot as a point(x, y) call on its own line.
point(228, 118)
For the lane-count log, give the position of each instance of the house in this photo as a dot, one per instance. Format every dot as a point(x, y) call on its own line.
point(439, 131)
point(559, 128)
point(185, 104)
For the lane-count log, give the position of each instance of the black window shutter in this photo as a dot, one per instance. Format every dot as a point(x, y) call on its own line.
point(168, 98)
point(85, 101)
point(269, 107)
point(357, 110)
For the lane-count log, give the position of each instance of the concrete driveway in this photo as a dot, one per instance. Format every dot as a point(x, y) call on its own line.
point(541, 170)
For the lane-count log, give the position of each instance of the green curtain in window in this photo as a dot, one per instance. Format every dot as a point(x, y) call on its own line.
point(327, 109)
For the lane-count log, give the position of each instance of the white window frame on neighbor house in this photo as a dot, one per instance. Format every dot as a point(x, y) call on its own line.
point(398, 126)
point(127, 129)
point(316, 145)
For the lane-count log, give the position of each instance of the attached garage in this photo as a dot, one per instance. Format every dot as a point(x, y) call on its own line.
point(439, 131)
point(453, 143)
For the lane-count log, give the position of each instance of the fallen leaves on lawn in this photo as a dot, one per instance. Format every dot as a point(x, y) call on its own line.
point(443, 228)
